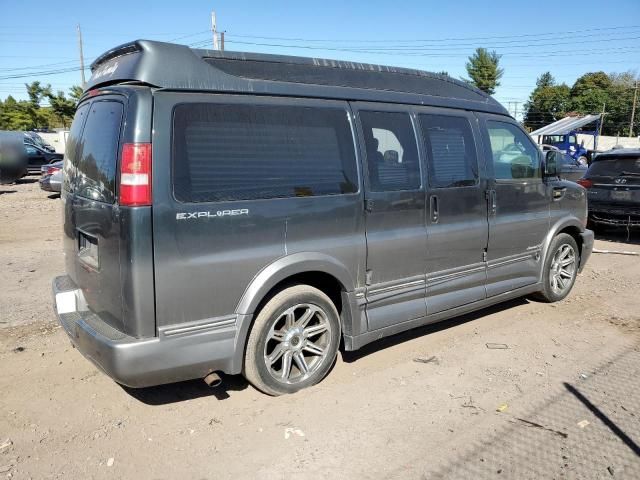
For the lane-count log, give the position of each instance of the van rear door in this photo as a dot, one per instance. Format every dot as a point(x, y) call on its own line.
point(92, 226)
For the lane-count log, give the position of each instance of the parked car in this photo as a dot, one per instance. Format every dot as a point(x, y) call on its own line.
point(35, 139)
point(248, 213)
point(37, 157)
point(51, 179)
point(613, 186)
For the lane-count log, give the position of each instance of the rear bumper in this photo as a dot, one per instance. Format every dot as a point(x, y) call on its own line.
point(587, 247)
point(174, 355)
point(49, 185)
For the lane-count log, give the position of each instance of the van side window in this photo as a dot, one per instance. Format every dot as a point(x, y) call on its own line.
point(99, 152)
point(243, 152)
point(392, 154)
point(451, 151)
point(515, 157)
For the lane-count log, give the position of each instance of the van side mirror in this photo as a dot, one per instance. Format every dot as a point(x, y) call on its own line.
point(551, 161)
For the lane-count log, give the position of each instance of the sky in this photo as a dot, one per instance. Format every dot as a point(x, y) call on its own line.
point(38, 39)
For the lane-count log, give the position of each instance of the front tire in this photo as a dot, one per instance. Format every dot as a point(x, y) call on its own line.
point(293, 342)
point(560, 269)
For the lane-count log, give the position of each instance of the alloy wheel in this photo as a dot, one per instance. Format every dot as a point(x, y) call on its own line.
point(563, 269)
point(297, 343)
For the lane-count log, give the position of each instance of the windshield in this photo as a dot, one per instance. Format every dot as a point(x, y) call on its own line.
point(34, 139)
point(551, 139)
point(616, 166)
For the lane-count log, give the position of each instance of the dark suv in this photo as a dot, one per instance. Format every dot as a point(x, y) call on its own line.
point(613, 186)
point(250, 213)
point(37, 157)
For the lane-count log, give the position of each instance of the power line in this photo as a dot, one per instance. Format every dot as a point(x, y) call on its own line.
point(37, 66)
point(41, 74)
point(411, 53)
point(466, 46)
point(189, 36)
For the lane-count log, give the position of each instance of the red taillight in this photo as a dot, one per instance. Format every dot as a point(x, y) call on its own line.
point(135, 175)
point(52, 170)
point(585, 182)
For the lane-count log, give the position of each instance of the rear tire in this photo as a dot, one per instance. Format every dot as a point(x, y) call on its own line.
point(560, 269)
point(293, 342)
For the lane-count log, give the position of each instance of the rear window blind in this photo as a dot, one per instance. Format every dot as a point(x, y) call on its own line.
point(242, 152)
point(451, 151)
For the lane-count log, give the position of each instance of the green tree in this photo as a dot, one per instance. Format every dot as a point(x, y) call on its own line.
point(547, 103)
point(483, 70)
point(36, 93)
point(30, 114)
point(590, 92)
point(64, 108)
point(14, 115)
point(545, 80)
point(619, 104)
point(75, 92)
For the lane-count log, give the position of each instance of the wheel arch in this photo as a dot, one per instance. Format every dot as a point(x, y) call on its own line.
point(317, 270)
point(569, 225)
point(283, 269)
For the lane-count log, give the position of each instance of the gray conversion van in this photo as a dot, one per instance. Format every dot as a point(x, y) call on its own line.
point(248, 213)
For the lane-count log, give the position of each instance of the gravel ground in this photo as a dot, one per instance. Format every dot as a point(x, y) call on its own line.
point(562, 401)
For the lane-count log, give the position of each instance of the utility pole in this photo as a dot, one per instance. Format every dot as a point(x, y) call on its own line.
point(633, 110)
point(595, 142)
point(222, 41)
point(81, 56)
point(515, 110)
point(214, 31)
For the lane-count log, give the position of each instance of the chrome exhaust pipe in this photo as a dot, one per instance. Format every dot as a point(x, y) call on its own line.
point(213, 379)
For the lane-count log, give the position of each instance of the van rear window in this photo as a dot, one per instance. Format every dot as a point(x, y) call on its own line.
point(242, 152)
point(73, 147)
point(96, 178)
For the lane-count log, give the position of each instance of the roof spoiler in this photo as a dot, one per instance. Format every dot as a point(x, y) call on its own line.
point(137, 61)
point(124, 49)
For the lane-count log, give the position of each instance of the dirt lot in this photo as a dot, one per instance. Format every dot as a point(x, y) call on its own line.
point(562, 401)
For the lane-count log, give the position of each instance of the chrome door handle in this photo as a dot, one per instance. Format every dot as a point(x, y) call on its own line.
point(558, 193)
point(369, 204)
point(435, 208)
point(492, 202)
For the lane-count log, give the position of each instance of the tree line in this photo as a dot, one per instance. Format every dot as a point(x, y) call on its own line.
point(593, 92)
point(30, 114)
